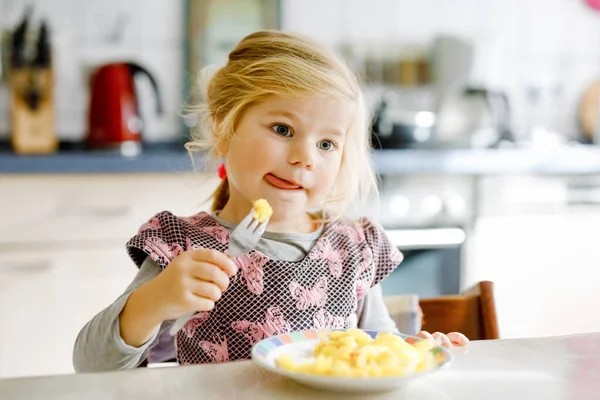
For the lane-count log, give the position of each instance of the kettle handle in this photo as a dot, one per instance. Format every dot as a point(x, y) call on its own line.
point(136, 68)
point(500, 106)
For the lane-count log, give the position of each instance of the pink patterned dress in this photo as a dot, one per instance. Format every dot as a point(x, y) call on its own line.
point(269, 297)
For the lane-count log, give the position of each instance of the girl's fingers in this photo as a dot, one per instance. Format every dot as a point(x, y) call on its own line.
point(206, 290)
point(210, 273)
point(425, 335)
point(215, 257)
point(458, 339)
point(442, 339)
point(449, 340)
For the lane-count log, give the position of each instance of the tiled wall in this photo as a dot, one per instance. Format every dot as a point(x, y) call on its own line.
point(550, 45)
point(553, 45)
point(85, 31)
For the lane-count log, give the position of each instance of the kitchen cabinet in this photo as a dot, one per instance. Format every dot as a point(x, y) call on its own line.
point(45, 299)
point(63, 257)
point(536, 239)
point(71, 209)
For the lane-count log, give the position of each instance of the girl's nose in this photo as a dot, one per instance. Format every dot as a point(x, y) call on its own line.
point(301, 154)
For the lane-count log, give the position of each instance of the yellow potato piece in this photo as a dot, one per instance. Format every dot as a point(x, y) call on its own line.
point(336, 335)
point(353, 353)
point(262, 210)
point(341, 368)
point(286, 362)
point(424, 345)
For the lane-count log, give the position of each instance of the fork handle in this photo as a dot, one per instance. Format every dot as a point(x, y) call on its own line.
point(179, 323)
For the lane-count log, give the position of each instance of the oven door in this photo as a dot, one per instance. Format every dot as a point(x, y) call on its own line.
point(432, 261)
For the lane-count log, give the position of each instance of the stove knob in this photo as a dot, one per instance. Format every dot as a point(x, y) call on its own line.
point(432, 206)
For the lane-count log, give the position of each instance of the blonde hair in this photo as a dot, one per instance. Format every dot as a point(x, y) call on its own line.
point(268, 63)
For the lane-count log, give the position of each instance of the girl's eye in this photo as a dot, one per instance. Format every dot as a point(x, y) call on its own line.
point(282, 130)
point(326, 145)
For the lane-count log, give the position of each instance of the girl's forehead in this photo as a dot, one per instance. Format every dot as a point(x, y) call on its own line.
point(333, 111)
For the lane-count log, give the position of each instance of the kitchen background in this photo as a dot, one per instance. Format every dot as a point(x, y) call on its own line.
point(542, 53)
point(484, 119)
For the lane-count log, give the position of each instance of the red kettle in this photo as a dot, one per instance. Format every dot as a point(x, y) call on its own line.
point(114, 120)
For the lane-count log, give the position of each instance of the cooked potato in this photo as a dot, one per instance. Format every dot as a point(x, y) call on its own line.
point(353, 353)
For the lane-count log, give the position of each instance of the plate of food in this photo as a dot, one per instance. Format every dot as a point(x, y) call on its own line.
point(350, 360)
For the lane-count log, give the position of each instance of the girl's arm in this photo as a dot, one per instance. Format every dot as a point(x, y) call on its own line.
point(99, 345)
point(374, 315)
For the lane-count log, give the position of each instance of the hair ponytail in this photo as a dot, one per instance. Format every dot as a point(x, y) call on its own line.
point(220, 195)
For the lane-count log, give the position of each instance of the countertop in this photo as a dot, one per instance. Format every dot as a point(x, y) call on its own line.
point(173, 158)
point(160, 158)
point(566, 367)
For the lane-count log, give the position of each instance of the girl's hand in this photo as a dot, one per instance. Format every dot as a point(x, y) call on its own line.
point(450, 340)
point(193, 281)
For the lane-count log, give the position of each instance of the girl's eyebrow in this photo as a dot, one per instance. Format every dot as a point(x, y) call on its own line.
point(288, 114)
point(336, 132)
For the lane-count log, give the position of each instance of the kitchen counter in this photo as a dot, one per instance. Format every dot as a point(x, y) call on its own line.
point(560, 161)
point(155, 159)
point(173, 158)
point(566, 367)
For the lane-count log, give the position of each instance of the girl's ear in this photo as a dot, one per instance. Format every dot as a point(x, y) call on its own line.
point(222, 148)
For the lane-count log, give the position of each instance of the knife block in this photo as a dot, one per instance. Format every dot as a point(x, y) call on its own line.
point(32, 114)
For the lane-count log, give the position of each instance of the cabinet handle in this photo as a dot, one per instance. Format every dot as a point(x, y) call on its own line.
point(584, 196)
point(434, 238)
point(25, 266)
point(91, 211)
point(583, 203)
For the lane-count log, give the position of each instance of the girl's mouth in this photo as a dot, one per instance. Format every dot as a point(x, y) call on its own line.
point(281, 183)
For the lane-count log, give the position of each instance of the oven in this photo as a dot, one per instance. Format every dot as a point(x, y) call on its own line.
point(428, 218)
point(433, 260)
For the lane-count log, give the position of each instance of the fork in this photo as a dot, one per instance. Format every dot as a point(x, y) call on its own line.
point(243, 239)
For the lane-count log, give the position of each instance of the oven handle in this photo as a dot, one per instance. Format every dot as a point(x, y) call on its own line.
point(428, 238)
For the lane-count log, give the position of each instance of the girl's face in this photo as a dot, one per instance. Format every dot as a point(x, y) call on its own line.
point(287, 151)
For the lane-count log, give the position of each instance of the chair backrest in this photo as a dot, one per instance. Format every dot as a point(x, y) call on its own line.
point(472, 312)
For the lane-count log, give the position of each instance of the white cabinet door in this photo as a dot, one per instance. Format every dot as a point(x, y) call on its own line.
point(47, 297)
point(545, 270)
point(94, 208)
point(28, 313)
point(63, 258)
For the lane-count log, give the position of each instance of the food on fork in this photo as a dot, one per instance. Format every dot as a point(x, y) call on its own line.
point(262, 210)
point(354, 353)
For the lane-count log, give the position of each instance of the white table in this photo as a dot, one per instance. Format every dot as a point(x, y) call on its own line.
point(566, 367)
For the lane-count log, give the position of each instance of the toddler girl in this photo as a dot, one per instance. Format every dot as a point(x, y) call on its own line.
point(288, 120)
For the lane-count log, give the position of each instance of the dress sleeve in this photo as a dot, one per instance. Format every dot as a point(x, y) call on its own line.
point(385, 256)
point(162, 239)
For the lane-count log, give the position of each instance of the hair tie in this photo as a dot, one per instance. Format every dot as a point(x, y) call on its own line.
point(222, 171)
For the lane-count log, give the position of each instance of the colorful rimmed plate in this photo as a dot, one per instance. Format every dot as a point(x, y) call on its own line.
point(300, 346)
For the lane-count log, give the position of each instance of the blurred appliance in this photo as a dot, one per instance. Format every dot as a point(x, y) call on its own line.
point(403, 119)
point(447, 114)
point(452, 64)
point(5, 41)
point(428, 218)
point(474, 117)
point(114, 120)
point(470, 118)
point(588, 110)
point(466, 116)
point(31, 82)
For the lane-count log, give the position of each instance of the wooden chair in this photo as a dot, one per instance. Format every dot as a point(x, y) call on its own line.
point(473, 312)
